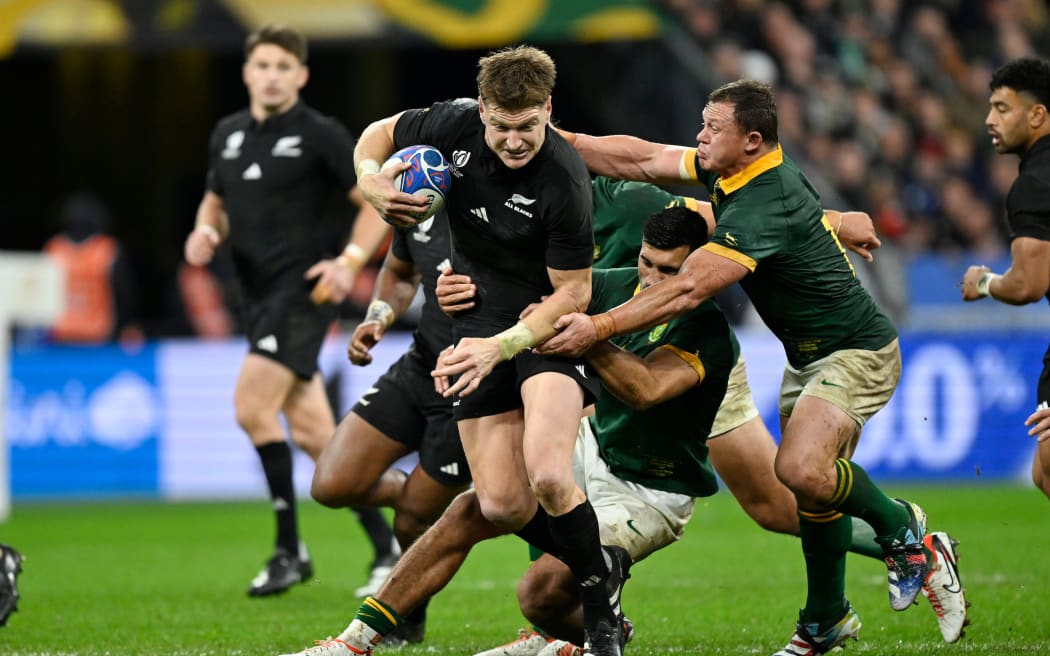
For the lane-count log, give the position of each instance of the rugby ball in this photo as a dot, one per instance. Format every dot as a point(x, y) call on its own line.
point(428, 176)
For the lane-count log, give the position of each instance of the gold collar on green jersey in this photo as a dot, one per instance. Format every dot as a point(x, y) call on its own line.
point(772, 159)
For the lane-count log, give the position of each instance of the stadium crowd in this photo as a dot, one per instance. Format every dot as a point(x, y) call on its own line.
point(882, 103)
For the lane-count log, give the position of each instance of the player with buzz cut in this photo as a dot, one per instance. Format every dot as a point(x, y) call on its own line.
point(773, 237)
point(1019, 123)
point(519, 211)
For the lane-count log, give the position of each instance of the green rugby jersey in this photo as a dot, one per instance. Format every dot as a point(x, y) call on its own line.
point(665, 447)
point(621, 208)
point(768, 218)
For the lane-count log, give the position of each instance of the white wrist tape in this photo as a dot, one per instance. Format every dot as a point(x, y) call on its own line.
point(381, 312)
point(353, 256)
point(367, 167)
point(208, 230)
point(985, 281)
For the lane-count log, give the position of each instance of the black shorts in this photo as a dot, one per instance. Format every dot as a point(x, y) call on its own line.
point(405, 408)
point(500, 391)
point(289, 330)
point(1043, 388)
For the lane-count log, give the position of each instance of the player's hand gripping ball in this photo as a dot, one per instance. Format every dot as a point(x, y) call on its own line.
point(428, 176)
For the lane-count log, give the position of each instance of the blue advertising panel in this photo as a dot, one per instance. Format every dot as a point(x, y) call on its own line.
point(104, 422)
point(83, 422)
point(958, 412)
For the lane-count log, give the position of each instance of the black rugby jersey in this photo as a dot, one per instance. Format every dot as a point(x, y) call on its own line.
point(427, 246)
point(1028, 202)
point(274, 178)
point(507, 225)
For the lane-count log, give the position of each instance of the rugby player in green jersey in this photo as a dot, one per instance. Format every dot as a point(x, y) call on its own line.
point(843, 354)
point(742, 454)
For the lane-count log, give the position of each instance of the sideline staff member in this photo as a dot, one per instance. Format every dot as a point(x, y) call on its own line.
point(271, 168)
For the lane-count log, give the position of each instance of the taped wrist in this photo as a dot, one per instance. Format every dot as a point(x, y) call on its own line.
point(381, 312)
point(985, 281)
point(353, 257)
point(604, 326)
point(514, 340)
point(367, 167)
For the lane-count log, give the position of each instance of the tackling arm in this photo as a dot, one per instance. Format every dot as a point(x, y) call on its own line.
point(642, 383)
point(631, 158)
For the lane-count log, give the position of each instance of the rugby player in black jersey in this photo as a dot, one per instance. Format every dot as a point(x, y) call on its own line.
point(272, 166)
point(520, 217)
point(1019, 122)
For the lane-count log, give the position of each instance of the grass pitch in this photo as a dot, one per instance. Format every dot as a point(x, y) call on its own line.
point(144, 578)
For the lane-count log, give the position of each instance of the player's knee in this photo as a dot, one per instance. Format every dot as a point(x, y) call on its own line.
point(804, 482)
point(334, 488)
point(252, 417)
point(551, 489)
point(503, 512)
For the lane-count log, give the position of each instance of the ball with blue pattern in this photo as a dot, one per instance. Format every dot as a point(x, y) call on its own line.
point(428, 176)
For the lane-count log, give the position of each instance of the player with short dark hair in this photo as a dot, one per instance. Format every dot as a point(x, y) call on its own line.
point(1019, 122)
point(834, 336)
point(272, 166)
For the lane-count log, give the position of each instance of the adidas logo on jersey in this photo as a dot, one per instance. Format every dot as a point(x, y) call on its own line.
point(452, 469)
point(253, 172)
point(268, 344)
point(481, 214)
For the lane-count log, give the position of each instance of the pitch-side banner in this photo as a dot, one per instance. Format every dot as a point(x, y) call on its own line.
point(103, 422)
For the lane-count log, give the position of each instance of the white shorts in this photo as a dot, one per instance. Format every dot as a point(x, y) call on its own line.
point(637, 518)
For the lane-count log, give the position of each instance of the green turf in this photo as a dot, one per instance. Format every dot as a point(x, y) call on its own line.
point(170, 579)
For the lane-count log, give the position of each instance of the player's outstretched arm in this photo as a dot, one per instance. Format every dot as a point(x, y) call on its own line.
point(1026, 281)
point(642, 383)
point(631, 158)
point(702, 276)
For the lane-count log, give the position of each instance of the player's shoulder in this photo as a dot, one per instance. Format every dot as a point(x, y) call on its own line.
point(628, 190)
point(236, 121)
point(452, 110)
point(316, 121)
point(563, 165)
point(1029, 194)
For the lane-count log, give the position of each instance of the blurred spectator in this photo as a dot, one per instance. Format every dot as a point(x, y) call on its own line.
point(882, 104)
point(100, 288)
